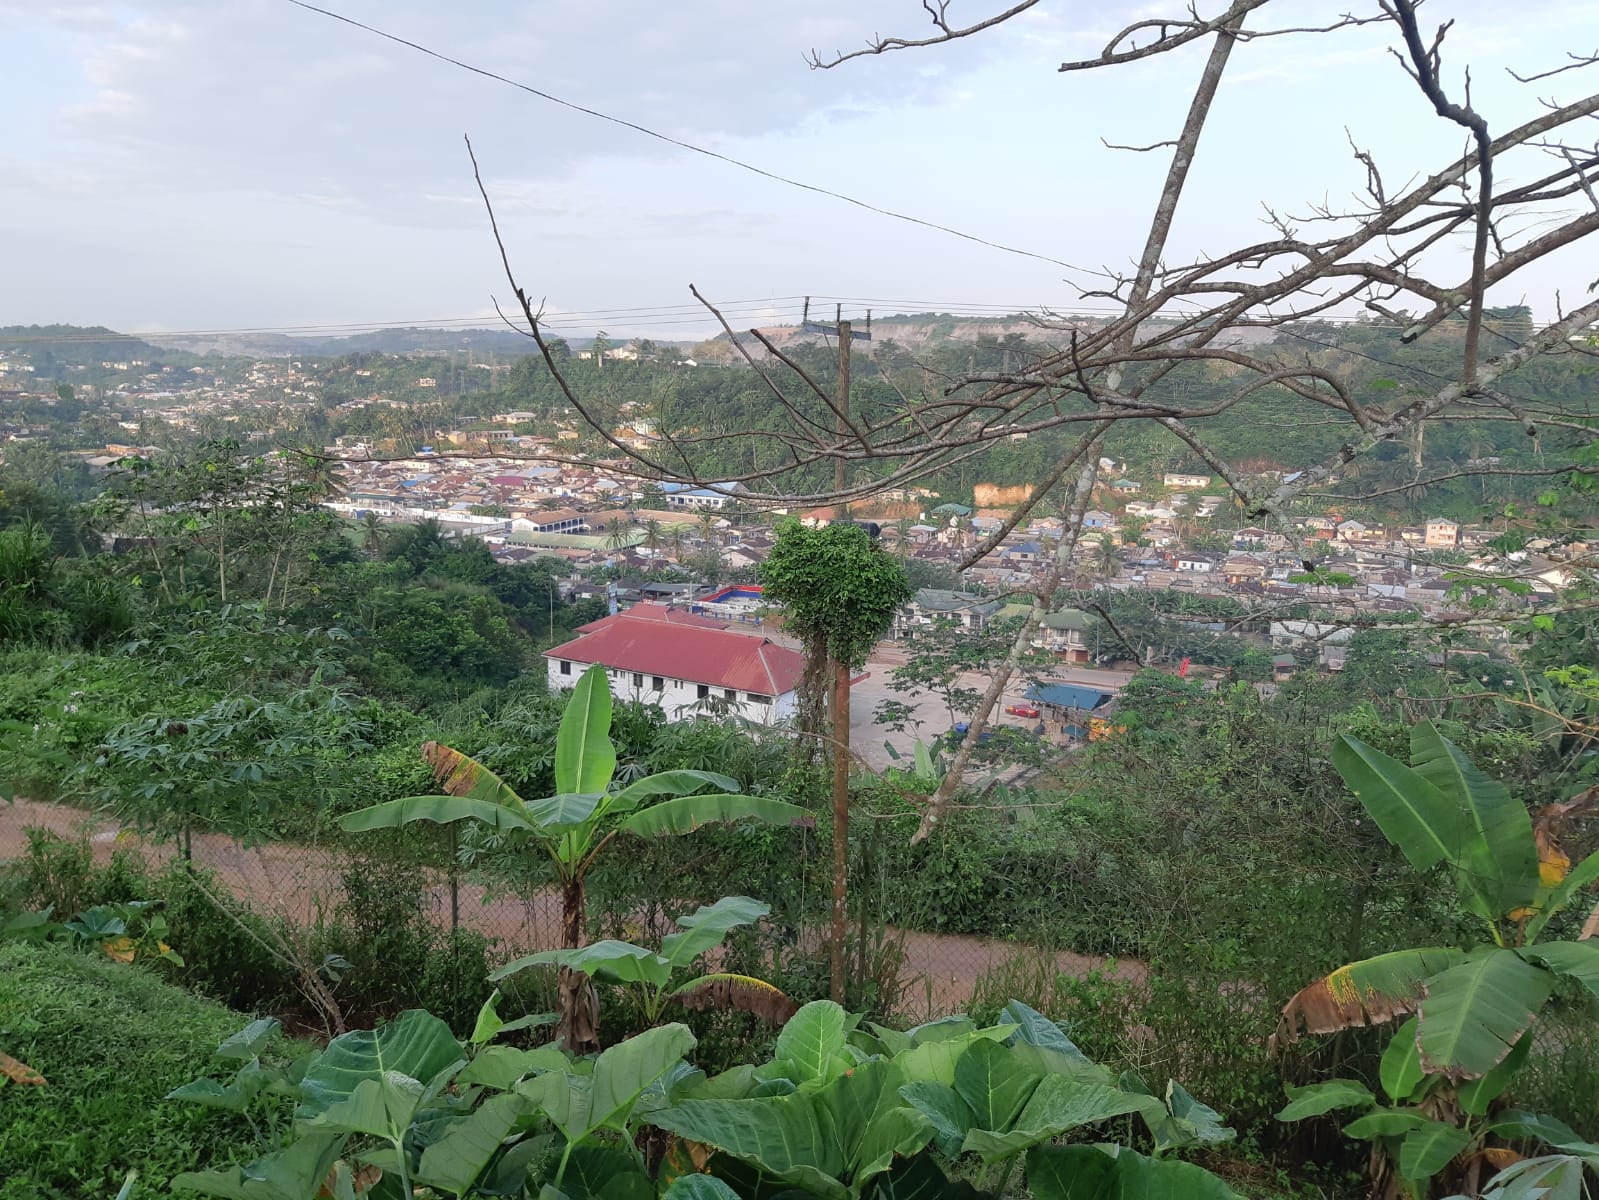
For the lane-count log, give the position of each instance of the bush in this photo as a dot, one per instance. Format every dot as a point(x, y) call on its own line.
point(111, 1040)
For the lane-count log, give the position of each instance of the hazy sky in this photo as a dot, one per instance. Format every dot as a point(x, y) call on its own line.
point(195, 164)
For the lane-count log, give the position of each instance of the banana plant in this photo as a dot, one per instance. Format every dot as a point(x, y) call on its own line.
point(1473, 1007)
point(574, 826)
point(651, 974)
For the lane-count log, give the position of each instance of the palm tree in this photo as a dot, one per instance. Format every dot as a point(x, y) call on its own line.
point(617, 532)
point(1107, 562)
point(373, 533)
point(707, 520)
point(652, 535)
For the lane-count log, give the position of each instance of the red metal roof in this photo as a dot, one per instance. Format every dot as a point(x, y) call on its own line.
point(693, 653)
point(661, 613)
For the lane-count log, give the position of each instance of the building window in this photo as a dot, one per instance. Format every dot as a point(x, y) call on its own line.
point(638, 680)
point(657, 683)
point(729, 694)
point(757, 698)
point(701, 691)
point(566, 667)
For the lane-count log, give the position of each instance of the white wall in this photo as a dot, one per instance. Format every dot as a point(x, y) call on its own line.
point(677, 697)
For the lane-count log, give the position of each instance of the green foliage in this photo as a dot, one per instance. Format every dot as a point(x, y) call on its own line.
point(111, 1040)
point(838, 590)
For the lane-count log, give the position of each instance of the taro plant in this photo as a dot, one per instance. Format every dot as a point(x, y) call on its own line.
point(400, 1111)
point(841, 1112)
point(574, 826)
point(1474, 1008)
point(125, 932)
point(656, 977)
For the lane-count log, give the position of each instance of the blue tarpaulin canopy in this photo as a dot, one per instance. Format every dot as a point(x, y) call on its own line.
point(1069, 695)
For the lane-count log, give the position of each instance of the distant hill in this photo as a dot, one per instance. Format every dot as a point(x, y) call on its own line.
point(382, 341)
point(45, 344)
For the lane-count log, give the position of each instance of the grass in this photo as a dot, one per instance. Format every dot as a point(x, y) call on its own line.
point(111, 1040)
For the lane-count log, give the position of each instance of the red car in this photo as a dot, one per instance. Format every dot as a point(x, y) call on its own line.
point(1022, 710)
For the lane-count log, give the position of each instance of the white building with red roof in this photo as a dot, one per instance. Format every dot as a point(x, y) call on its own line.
point(683, 663)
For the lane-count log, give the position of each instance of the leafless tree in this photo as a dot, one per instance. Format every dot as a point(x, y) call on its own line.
point(1515, 196)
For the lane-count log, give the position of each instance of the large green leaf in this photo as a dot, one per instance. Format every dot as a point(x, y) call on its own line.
point(580, 1104)
point(1475, 1095)
point(1186, 1122)
point(1401, 1071)
point(1368, 992)
point(695, 1186)
point(1385, 1122)
point(1578, 877)
point(670, 783)
point(1474, 1013)
point(612, 961)
point(1575, 960)
point(294, 1173)
point(1056, 1105)
point(1550, 1177)
point(564, 810)
point(248, 1042)
point(441, 809)
point(455, 1161)
point(415, 1046)
point(585, 759)
point(707, 926)
point(1116, 1173)
point(874, 1125)
point(1430, 1148)
point(622, 1072)
point(935, 1058)
point(810, 1049)
point(687, 813)
point(503, 1067)
point(994, 1084)
point(605, 1172)
point(1317, 1098)
point(792, 1138)
point(1411, 812)
point(1493, 843)
point(920, 1178)
point(949, 1115)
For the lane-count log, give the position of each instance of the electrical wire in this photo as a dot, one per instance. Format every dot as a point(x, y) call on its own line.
point(690, 146)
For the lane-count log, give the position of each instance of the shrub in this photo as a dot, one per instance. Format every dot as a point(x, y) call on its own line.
point(111, 1040)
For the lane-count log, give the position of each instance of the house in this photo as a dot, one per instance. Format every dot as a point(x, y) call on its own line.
point(718, 495)
point(1441, 533)
point(1094, 519)
point(1194, 561)
point(1243, 570)
point(1126, 487)
point(965, 609)
point(1066, 633)
point(684, 664)
point(1179, 479)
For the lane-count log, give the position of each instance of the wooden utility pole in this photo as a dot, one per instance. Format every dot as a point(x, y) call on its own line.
point(837, 938)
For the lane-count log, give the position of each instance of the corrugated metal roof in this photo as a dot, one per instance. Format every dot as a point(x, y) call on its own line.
point(697, 655)
point(1069, 695)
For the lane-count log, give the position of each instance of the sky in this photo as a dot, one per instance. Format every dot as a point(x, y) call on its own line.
point(194, 165)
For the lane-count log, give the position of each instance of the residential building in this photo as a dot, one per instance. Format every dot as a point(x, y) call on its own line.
point(684, 664)
point(965, 609)
point(716, 496)
point(1441, 533)
point(1195, 561)
point(1179, 479)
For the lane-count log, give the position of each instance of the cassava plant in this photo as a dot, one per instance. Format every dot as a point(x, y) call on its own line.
point(574, 826)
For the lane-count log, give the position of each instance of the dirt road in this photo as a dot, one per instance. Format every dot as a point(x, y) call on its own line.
point(939, 972)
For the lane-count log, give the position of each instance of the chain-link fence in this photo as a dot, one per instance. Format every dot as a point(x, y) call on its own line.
point(911, 972)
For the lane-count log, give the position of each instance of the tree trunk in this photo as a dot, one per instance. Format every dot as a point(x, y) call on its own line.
point(838, 940)
point(579, 1026)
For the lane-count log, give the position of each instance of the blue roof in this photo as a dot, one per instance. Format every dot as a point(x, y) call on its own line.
point(1069, 695)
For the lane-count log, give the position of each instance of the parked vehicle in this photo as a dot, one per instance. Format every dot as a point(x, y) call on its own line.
point(1022, 710)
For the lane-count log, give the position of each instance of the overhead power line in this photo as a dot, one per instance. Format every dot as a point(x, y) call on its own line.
point(689, 146)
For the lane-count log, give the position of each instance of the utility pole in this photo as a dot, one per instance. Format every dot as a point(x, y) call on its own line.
point(838, 934)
